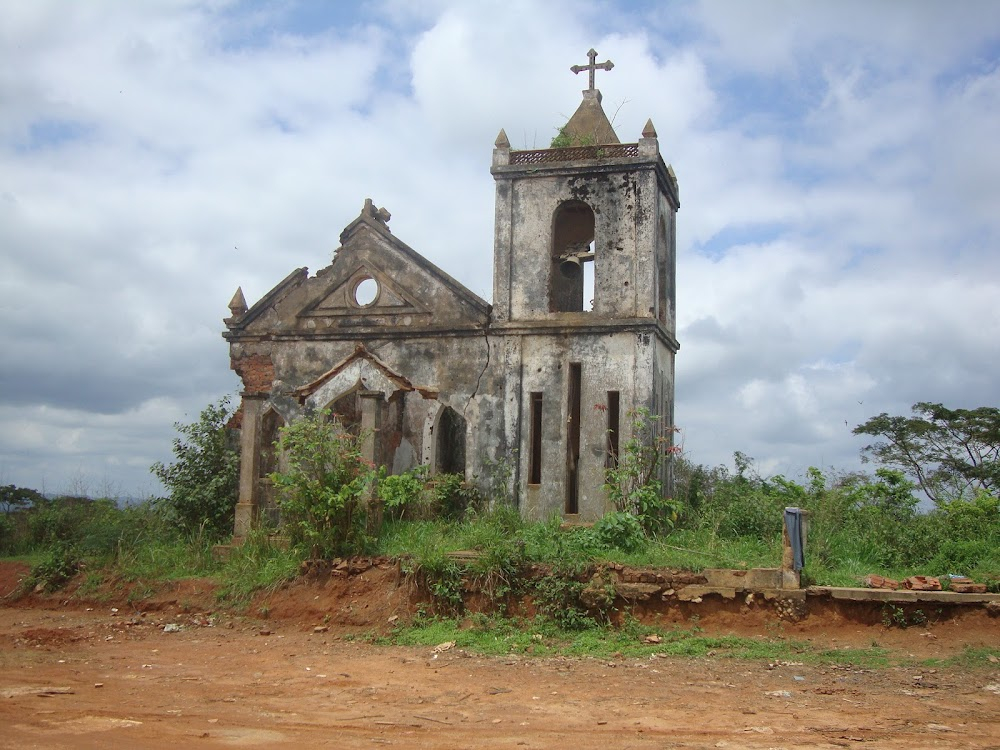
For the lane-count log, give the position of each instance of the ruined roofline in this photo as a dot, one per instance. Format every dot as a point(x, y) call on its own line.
point(292, 280)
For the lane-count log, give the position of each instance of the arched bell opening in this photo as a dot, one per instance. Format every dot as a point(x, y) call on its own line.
point(571, 280)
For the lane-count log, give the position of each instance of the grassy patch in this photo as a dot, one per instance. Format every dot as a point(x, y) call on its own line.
point(259, 564)
point(166, 560)
point(971, 657)
point(497, 636)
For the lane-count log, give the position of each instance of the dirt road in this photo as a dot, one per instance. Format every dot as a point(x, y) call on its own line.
point(79, 679)
point(164, 673)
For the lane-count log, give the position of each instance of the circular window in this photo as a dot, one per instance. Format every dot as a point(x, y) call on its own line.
point(366, 292)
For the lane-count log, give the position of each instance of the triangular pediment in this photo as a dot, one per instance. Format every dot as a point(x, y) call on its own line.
point(367, 291)
point(361, 370)
point(378, 281)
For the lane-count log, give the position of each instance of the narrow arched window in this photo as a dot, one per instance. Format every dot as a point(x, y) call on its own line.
point(450, 453)
point(571, 278)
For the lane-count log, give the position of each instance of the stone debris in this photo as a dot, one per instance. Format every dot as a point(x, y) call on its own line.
point(790, 609)
point(171, 627)
point(653, 638)
point(442, 647)
point(922, 583)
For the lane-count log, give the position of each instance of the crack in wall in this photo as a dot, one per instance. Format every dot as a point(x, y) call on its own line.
point(479, 380)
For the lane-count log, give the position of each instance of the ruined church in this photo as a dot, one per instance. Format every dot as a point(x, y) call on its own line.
point(581, 330)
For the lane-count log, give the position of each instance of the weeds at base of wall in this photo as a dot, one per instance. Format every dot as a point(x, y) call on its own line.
point(894, 616)
point(260, 564)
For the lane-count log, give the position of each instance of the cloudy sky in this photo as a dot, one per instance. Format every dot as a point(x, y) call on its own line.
point(839, 168)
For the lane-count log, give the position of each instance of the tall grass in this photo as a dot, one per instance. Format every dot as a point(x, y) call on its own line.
point(859, 525)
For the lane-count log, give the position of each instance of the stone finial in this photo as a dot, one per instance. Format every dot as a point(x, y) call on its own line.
point(379, 214)
point(501, 149)
point(649, 145)
point(238, 304)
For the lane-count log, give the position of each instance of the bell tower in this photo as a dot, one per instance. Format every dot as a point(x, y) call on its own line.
point(584, 299)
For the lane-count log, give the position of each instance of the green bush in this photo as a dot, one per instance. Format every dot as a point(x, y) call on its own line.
point(60, 563)
point(619, 530)
point(453, 497)
point(323, 494)
point(203, 480)
point(557, 599)
point(405, 495)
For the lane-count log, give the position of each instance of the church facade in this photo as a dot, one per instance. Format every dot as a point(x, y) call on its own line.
point(581, 331)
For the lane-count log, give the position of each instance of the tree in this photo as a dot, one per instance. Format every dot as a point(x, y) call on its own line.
point(204, 479)
point(15, 498)
point(952, 453)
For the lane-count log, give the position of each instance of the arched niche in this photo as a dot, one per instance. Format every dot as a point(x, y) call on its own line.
point(346, 409)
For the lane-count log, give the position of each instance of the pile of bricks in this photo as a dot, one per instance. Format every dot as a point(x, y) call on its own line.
point(958, 584)
point(963, 585)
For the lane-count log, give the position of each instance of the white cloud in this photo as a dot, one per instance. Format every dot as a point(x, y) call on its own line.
point(838, 229)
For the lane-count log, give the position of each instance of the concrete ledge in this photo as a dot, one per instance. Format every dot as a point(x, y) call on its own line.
point(901, 595)
point(753, 579)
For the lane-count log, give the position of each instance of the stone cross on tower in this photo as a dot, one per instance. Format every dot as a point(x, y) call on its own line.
point(592, 67)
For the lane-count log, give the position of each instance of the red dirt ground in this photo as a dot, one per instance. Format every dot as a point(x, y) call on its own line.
point(79, 674)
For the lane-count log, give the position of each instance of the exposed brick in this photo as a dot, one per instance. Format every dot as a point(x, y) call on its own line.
point(256, 371)
point(236, 421)
point(922, 583)
point(968, 588)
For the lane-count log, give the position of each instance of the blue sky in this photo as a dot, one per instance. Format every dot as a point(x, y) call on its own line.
point(839, 174)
